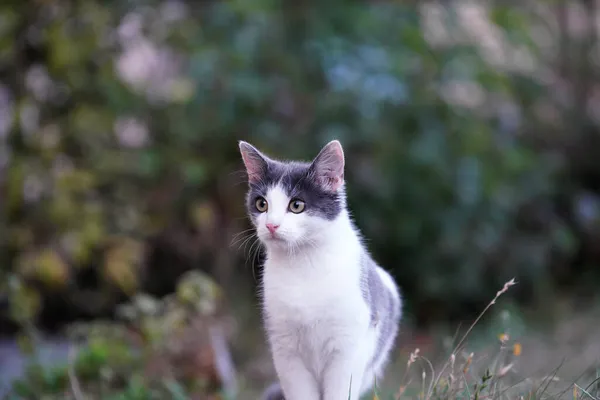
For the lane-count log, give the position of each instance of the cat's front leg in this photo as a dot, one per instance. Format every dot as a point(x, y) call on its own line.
point(343, 377)
point(296, 380)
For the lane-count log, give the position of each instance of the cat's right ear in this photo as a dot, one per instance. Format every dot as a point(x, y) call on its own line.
point(255, 162)
point(329, 166)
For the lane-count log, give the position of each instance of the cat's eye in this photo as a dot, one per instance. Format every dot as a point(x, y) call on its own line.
point(296, 206)
point(261, 204)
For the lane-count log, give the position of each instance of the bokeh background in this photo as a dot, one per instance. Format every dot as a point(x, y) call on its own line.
point(472, 137)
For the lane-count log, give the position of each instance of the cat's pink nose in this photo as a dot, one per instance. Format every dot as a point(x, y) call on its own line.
point(272, 228)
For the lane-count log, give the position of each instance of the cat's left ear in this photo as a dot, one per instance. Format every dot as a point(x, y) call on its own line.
point(256, 163)
point(328, 166)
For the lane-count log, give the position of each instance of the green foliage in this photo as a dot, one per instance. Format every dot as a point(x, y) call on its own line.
point(467, 147)
point(124, 118)
point(160, 349)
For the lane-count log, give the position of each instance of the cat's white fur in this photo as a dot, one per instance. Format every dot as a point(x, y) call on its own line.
point(317, 320)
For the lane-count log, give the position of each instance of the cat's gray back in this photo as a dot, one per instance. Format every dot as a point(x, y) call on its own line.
point(385, 306)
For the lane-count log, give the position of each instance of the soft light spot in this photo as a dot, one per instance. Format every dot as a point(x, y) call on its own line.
point(503, 337)
point(517, 349)
point(131, 132)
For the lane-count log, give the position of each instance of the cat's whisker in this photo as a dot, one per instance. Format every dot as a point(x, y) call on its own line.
point(255, 259)
point(311, 243)
point(256, 248)
point(244, 236)
point(241, 237)
point(255, 243)
point(242, 232)
point(244, 241)
point(249, 258)
point(252, 243)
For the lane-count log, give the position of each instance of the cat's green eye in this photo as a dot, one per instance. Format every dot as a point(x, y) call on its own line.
point(296, 206)
point(261, 204)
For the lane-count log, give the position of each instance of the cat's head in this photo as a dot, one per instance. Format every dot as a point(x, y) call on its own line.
point(292, 203)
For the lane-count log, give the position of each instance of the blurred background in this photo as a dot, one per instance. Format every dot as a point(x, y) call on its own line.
point(472, 137)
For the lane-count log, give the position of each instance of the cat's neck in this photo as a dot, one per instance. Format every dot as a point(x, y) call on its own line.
point(338, 235)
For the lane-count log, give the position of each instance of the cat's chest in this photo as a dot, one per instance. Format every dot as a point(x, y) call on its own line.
point(313, 290)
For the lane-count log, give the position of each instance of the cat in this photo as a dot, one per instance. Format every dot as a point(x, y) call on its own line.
point(331, 314)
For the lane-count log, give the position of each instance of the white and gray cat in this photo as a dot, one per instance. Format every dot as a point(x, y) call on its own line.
point(331, 313)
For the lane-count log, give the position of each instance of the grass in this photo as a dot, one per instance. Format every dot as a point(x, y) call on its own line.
point(467, 377)
point(496, 374)
point(504, 354)
point(487, 360)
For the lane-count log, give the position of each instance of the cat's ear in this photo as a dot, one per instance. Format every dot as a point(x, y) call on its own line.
point(256, 163)
point(328, 166)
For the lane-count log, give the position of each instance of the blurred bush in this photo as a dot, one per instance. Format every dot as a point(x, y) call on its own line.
point(467, 141)
point(170, 348)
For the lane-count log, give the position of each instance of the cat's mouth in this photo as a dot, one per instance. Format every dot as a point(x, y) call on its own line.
point(275, 238)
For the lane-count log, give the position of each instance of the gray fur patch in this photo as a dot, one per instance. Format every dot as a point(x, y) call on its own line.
point(384, 307)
